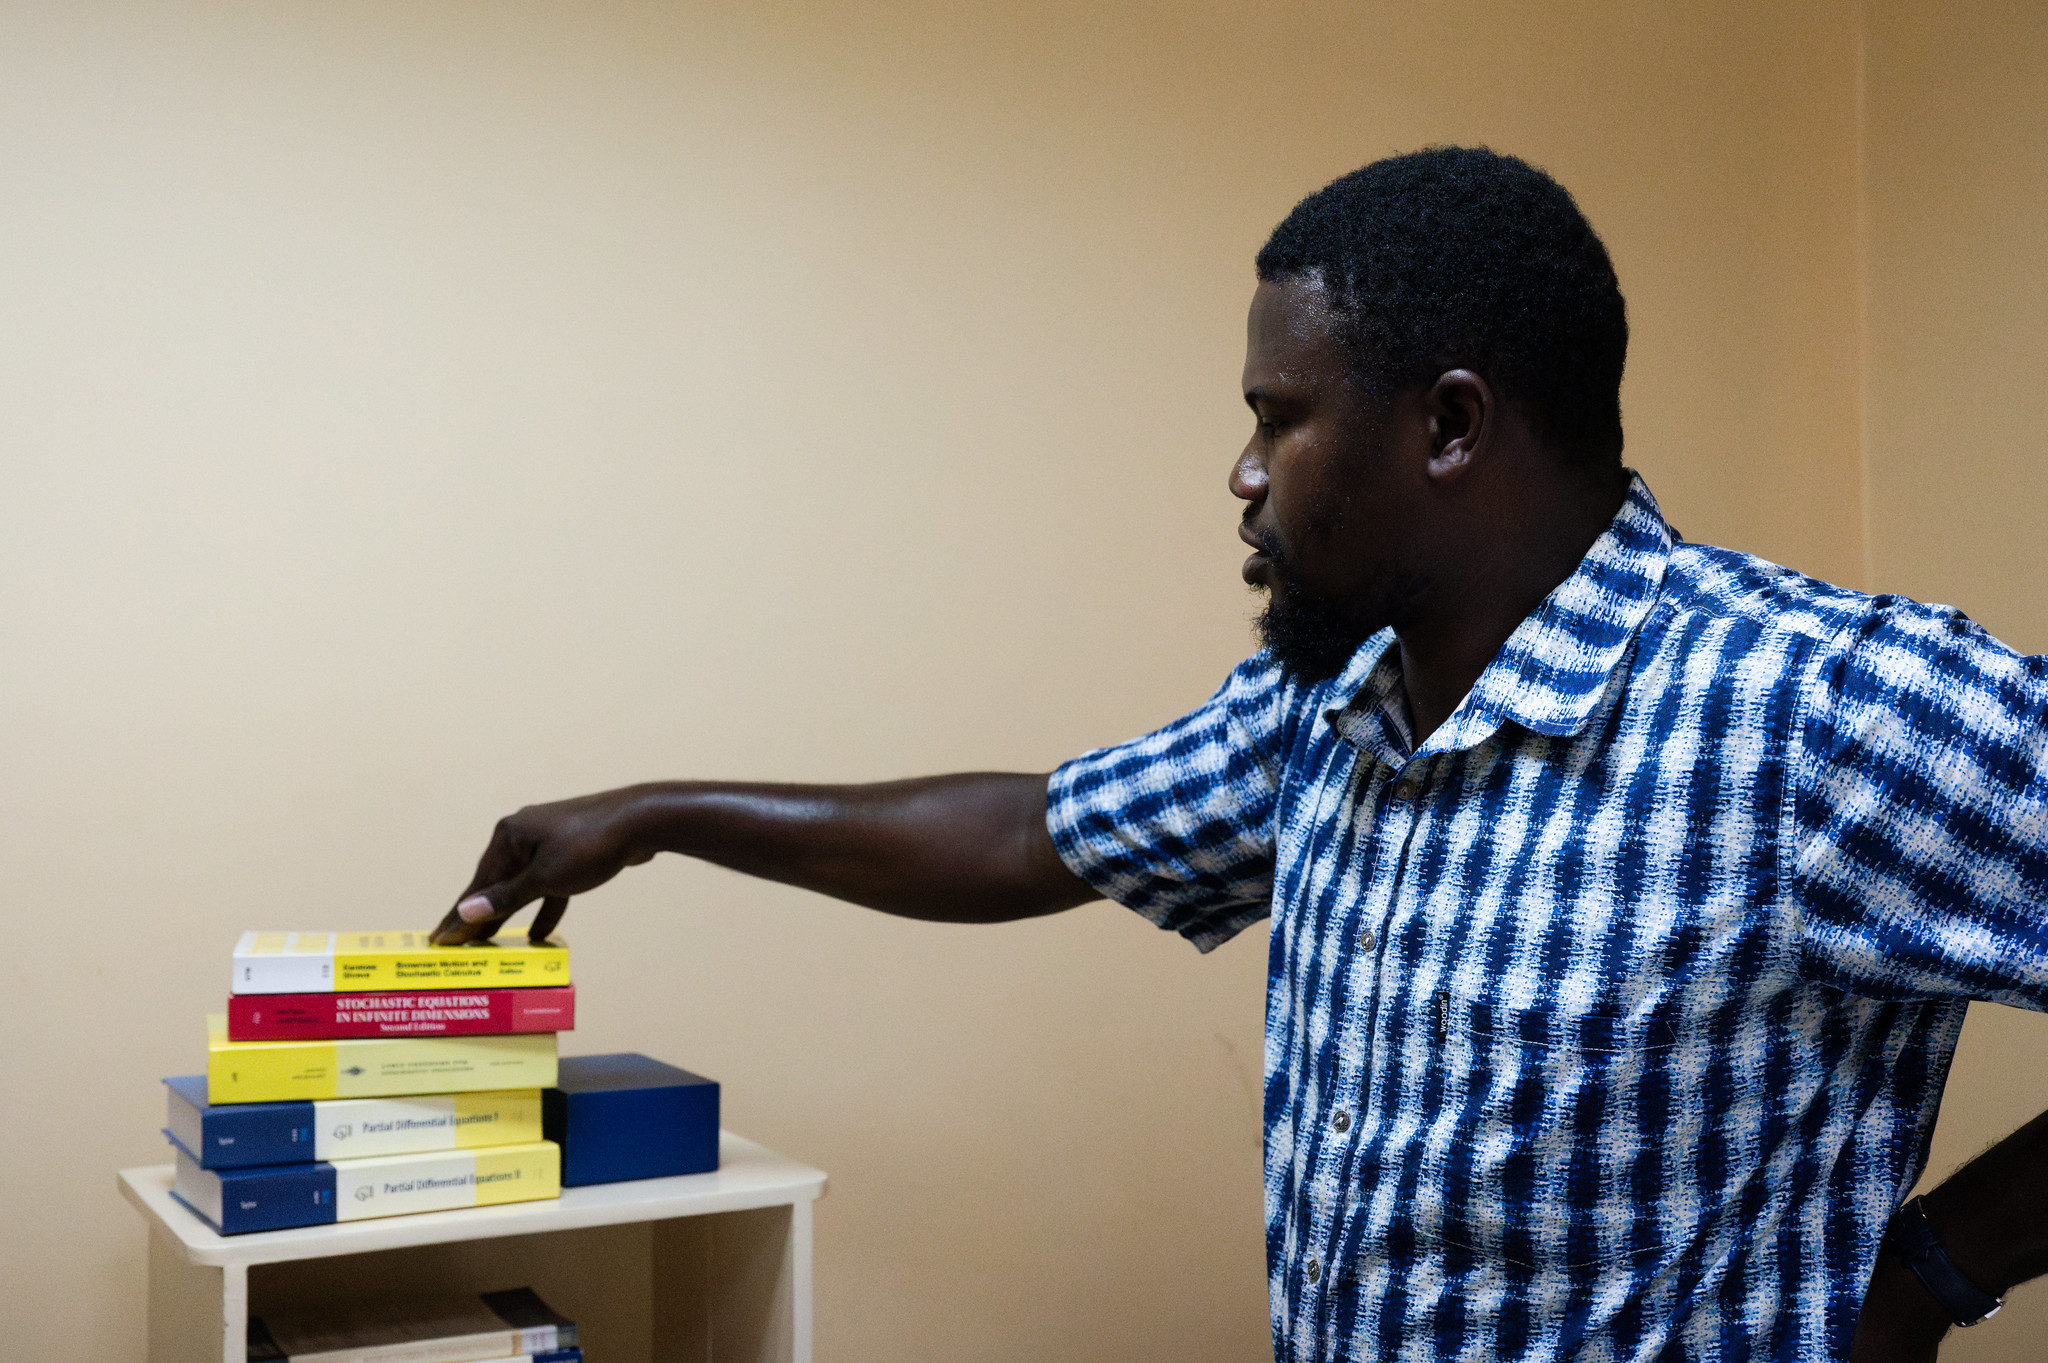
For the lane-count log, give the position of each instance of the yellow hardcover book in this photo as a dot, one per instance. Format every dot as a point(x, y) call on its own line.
point(373, 1067)
point(368, 962)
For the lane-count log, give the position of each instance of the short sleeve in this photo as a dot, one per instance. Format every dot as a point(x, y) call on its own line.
point(1178, 825)
point(1920, 812)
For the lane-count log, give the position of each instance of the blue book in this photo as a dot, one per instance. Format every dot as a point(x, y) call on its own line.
point(240, 1135)
point(235, 1134)
point(625, 1116)
point(271, 1197)
point(277, 1196)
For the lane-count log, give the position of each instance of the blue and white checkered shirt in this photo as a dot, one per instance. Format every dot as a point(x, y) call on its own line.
point(1610, 1023)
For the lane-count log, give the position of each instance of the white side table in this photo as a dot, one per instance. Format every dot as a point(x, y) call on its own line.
point(704, 1268)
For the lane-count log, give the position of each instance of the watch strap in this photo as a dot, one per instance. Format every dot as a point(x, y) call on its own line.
point(1913, 1240)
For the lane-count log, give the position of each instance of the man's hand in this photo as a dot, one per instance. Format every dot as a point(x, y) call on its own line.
point(1900, 1321)
point(547, 852)
point(1991, 1217)
point(971, 848)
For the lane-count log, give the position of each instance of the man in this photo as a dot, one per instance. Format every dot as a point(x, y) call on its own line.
point(1627, 894)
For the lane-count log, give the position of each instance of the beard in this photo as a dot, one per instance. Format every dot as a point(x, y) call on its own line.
point(1310, 635)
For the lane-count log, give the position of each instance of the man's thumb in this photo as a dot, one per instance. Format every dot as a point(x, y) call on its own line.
point(477, 916)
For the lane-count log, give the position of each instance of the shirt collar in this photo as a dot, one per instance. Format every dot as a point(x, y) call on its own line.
point(1551, 673)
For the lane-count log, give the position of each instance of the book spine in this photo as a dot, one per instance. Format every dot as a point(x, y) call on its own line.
point(442, 1012)
point(492, 1347)
point(353, 1128)
point(378, 962)
point(236, 1135)
point(507, 966)
point(520, 1355)
point(278, 1197)
point(283, 963)
point(457, 1349)
point(273, 1197)
point(381, 1067)
point(241, 1134)
point(462, 1349)
point(396, 1185)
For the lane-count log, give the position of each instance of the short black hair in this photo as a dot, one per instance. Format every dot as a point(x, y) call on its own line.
point(1460, 257)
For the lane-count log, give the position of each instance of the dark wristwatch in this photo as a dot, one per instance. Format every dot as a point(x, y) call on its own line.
point(1910, 1237)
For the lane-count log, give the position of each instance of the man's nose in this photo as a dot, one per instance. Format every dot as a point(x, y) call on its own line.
point(1248, 476)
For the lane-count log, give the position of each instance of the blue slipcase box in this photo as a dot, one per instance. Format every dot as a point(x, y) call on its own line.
point(625, 1116)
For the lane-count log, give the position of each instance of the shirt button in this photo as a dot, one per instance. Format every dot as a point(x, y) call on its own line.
point(1315, 1270)
point(1341, 1121)
point(1405, 790)
point(1367, 939)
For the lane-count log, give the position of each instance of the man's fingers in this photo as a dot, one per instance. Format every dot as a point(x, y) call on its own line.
point(446, 932)
point(551, 910)
point(477, 916)
point(481, 915)
point(504, 857)
point(494, 892)
point(479, 924)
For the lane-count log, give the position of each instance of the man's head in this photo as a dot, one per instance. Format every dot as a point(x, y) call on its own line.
point(1458, 257)
point(1437, 339)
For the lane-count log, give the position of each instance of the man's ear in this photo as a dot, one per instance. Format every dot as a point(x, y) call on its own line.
point(1459, 406)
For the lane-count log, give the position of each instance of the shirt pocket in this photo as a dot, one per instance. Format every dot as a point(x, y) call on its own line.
point(1545, 1149)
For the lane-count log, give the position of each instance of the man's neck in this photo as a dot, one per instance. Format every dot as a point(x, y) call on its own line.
point(1445, 648)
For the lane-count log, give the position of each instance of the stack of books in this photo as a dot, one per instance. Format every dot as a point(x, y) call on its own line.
point(362, 1074)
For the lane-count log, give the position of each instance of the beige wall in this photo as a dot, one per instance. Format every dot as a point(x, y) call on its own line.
point(411, 411)
point(1956, 198)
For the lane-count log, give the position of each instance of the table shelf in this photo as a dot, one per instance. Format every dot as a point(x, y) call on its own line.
point(702, 1268)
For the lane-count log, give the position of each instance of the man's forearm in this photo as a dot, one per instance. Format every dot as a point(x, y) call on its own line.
point(1991, 1215)
point(969, 848)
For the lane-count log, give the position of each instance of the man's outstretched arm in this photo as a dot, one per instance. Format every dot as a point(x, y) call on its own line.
point(969, 848)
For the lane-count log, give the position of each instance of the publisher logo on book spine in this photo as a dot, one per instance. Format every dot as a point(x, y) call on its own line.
point(365, 1193)
point(344, 1131)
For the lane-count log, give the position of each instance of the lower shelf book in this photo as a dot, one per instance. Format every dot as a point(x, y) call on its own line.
point(494, 1326)
point(280, 1196)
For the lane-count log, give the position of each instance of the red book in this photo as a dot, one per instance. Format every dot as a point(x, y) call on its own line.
point(423, 1012)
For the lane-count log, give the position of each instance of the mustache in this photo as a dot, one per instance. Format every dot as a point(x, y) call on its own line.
point(1268, 541)
point(1276, 557)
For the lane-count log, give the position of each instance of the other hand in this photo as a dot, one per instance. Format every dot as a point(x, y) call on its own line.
point(1900, 1321)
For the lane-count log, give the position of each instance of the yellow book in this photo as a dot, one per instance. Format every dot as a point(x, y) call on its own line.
point(367, 962)
point(372, 1067)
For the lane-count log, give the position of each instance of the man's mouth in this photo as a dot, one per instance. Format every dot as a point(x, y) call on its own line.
point(1254, 570)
